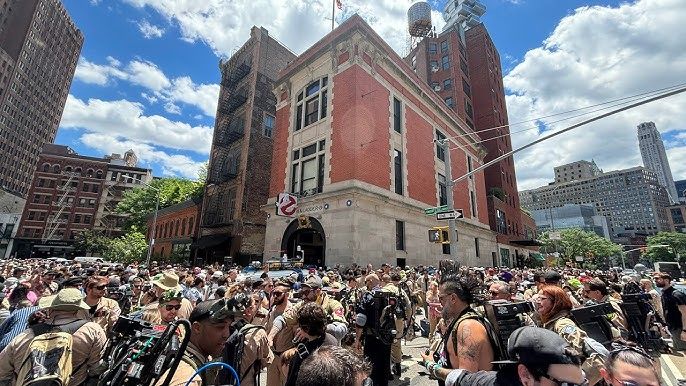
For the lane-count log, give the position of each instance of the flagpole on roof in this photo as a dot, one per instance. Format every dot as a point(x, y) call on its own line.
point(333, 12)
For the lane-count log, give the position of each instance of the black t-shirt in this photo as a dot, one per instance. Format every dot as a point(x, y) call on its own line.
point(504, 377)
point(671, 300)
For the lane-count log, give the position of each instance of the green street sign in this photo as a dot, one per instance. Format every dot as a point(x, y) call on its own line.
point(434, 210)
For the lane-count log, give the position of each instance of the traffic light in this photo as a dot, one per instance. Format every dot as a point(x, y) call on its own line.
point(439, 235)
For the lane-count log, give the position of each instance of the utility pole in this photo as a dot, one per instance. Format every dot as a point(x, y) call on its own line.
point(445, 144)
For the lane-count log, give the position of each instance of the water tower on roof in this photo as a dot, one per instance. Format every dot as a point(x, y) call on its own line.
point(419, 19)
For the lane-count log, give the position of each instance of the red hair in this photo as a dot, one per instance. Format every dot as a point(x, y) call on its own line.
point(559, 298)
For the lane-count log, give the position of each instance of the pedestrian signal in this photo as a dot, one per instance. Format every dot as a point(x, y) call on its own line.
point(439, 235)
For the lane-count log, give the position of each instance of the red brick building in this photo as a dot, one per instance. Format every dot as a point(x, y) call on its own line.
point(354, 140)
point(65, 198)
point(463, 68)
point(176, 230)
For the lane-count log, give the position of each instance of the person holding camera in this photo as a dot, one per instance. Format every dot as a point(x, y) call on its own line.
point(538, 357)
point(210, 322)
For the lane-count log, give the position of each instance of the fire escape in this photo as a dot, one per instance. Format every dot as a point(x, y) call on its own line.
point(55, 220)
point(230, 129)
point(109, 219)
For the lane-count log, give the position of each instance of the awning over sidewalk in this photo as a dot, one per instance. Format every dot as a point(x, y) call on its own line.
point(211, 241)
point(527, 243)
point(537, 256)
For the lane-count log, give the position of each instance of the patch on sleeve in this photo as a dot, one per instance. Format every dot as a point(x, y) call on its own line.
point(569, 330)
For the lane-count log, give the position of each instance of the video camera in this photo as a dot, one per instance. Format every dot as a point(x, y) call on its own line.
point(506, 317)
point(139, 353)
point(645, 325)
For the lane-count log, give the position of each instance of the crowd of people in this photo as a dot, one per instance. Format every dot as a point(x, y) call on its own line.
point(336, 326)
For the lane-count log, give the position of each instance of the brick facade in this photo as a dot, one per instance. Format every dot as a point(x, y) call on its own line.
point(176, 229)
point(351, 208)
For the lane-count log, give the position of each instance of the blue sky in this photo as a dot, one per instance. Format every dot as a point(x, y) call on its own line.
point(148, 75)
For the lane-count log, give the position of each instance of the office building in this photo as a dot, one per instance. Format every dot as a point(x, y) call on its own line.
point(655, 157)
point(232, 223)
point(675, 215)
point(571, 216)
point(354, 142)
point(632, 200)
point(39, 49)
point(66, 198)
point(680, 190)
point(462, 65)
point(576, 171)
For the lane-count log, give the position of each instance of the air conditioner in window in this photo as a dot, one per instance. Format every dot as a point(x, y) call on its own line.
point(434, 69)
point(437, 88)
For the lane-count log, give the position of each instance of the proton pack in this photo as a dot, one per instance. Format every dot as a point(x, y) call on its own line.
point(506, 317)
point(381, 313)
point(139, 353)
point(592, 319)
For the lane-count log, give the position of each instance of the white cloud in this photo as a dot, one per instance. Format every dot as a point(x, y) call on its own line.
point(128, 121)
point(594, 55)
point(150, 31)
point(225, 24)
point(148, 75)
point(171, 164)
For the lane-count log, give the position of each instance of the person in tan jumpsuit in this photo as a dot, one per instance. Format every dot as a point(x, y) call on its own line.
point(88, 343)
point(554, 306)
point(102, 310)
point(282, 341)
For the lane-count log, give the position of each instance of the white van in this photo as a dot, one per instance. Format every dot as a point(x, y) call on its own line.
point(89, 260)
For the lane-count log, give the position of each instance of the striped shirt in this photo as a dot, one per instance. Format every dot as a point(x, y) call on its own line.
point(14, 325)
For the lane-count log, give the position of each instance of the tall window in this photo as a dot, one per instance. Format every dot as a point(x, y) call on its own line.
point(449, 101)
point(398, 168)
point(469, 166)
point(445, 62)
point(448, 84)
point(307, 170)
point(468, 109)
point(472, 202)
point(268, 125)
point(440, 153)
point(465, 87)
point(433, 48)
point(311, 103)
point(444, 46)
point(476, 247)
point(397, 115)
point(434, 65)
point(442, 190)
point(399, 235)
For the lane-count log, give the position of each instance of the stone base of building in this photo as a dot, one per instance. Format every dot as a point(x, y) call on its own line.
point(356, 223)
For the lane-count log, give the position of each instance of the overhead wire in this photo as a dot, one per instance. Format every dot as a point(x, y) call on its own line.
point(628, 99)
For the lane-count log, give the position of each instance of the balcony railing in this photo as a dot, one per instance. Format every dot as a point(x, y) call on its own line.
point(239, 72)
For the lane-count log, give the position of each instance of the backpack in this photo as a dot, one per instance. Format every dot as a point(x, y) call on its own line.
point(48, 361)
point(233, 350)
point(381, 315)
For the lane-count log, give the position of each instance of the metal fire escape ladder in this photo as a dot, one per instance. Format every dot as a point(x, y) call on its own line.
point(53, 222)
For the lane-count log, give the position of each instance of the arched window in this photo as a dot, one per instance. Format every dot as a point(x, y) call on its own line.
point(89, 173)
point(77, 170)
point(46, 167)
point(68, 169)
point(176, 228)
point(56, 168)
point(183, 227)
point(311, 104)
point(98, 174)
point(191, 224)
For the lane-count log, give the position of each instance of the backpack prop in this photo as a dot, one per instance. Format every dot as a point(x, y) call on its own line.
point(234, 350)
point(48, 361)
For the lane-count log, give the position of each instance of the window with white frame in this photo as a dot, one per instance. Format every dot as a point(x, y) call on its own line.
point(307, 169)
point(311, 103)
point(268, 125)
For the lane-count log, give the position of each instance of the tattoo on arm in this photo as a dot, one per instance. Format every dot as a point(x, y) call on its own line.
point(469, 349)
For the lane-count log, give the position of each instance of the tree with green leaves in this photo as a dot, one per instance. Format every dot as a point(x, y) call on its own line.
point(577, 242)
point(140, 202)
point(127, 248)
point(665, 246)
point(91, 241)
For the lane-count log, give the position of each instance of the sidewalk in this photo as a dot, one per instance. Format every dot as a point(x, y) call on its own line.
point(673, 369)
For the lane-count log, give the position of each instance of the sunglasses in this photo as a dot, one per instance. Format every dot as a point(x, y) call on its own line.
point(277, 293)
point(100, 287)
point(170, 307)
point(565, 383)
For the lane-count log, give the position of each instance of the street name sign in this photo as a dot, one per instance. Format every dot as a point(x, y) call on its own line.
point(434, 210)
point(455, 214)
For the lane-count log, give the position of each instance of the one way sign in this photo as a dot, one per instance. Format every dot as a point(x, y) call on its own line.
point(456, 213)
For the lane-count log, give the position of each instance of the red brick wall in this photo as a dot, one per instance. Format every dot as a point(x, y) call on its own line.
point(280, 154)
point(360, 129)
point(166, 230)
point(421, 179)
point(481, 199)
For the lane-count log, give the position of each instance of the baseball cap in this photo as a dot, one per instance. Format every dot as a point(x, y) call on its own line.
point(538, 347)
point(313, 281)
point(552, 277)
point(217, 311)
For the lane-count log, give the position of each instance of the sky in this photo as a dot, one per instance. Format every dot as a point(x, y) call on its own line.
point(148, 75)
